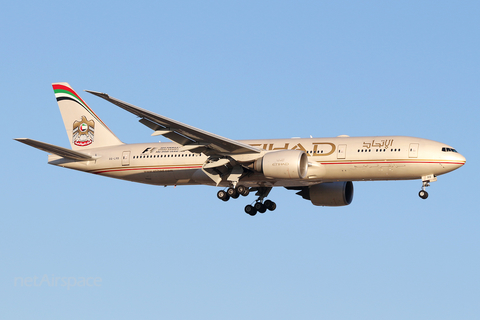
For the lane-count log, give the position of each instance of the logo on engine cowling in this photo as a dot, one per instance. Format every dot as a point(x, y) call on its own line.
point(280, 162)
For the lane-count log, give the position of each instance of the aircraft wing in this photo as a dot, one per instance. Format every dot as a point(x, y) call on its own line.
point(193, 139)
point(50, 148)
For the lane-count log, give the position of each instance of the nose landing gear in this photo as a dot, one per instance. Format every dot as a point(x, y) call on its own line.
point(426, 183)
point(424, 194)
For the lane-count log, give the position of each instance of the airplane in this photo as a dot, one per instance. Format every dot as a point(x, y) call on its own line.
point(321, 170)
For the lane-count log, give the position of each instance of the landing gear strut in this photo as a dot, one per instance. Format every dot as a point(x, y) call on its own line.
point(426, 183)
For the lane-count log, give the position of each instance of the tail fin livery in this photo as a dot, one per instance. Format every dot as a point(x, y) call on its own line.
point(85, 129)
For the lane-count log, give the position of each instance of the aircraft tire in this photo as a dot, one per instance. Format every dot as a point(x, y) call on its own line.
point(222, 195)
point(250, 210)
point(242, 190)
point(260, 207)
point(232, 193)
point(270, 205)
point(423, 194)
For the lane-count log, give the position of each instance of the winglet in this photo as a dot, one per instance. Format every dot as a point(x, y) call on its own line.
point(98, 94)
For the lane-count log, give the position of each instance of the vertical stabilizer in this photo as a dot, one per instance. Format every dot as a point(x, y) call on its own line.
point(84, 128)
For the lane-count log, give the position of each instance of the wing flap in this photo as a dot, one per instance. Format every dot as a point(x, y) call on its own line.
point(60, 151)
point(181, 133)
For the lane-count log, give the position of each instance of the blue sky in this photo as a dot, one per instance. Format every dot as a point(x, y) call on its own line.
point(243, 70)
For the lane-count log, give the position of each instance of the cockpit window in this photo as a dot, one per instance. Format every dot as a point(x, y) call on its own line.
point(445, 149)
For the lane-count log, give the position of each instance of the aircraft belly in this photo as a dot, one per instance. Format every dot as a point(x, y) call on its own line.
point(318, 174)
point(174, 177)
point(382, 171)
point(152, 176)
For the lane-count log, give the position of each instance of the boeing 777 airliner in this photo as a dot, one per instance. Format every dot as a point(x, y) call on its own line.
point(319, 169)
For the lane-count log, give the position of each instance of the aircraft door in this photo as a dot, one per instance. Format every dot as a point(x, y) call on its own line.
point(413, 151)
point(342, 150)
point(126, 158)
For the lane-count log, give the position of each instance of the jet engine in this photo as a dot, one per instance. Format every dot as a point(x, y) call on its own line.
point(285, 164)
point(329, 194)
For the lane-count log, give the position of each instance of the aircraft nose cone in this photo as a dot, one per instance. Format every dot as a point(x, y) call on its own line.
point(460, 160)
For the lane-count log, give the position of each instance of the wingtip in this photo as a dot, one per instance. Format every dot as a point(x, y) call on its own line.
point(96, 93)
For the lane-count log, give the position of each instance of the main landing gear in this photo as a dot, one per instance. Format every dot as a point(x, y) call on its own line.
point(233, 193)
point(259, 206)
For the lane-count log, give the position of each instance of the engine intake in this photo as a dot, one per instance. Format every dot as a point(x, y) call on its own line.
point(285, 164)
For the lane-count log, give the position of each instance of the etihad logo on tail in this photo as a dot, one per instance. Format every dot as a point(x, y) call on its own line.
point(83, 132)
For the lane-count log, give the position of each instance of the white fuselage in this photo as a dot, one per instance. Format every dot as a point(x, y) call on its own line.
point(330, 159)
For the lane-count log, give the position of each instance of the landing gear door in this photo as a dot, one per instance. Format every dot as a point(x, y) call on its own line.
point(126, 158)
point(413, 151)
point(342, 150)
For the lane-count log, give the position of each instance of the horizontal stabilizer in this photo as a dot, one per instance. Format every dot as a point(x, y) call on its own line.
point(62, 152)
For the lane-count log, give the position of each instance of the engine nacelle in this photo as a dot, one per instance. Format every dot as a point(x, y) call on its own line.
point(332, 194)
point(285, 164)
